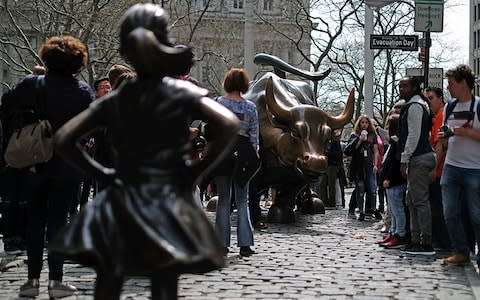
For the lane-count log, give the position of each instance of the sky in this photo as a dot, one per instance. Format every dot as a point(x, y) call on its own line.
point(455, 31)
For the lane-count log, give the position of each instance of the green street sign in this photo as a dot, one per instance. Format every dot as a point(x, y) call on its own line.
point(429, 15)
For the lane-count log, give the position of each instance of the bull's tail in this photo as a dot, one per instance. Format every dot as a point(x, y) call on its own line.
point(280, 67)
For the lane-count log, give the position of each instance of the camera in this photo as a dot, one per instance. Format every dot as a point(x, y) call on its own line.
point(447, 130)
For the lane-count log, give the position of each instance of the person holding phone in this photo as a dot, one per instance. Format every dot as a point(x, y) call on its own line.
point(460, 181)
point(362, 147)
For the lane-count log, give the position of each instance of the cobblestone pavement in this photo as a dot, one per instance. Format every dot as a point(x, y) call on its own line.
point(319, 257)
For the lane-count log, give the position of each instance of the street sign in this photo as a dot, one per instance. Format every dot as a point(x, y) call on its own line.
point(402, 42)
point(429, 15)
point(435, 75)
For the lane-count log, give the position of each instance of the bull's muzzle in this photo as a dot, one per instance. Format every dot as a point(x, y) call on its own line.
point(311, 166)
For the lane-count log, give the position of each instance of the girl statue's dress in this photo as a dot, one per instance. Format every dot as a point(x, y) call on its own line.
point(145, 222)
point(149, 220)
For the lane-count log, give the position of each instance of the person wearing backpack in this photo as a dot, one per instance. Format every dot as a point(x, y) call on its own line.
point(417, 161)
point(49, 187)
point(460, 182)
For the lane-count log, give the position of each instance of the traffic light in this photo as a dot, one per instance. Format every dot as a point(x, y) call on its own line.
point(421, 54)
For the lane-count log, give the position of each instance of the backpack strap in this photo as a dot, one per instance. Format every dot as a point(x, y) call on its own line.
point(449, 109)
point(40, 94)
point(478, 110)
point(453, 102)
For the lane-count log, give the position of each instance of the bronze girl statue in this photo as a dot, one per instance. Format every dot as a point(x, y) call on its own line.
point(146, 223)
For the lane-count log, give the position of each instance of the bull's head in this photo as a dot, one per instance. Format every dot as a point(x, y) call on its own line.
point(303, 131)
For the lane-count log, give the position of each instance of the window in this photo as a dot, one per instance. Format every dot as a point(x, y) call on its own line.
point(199, 4)
point(474, 39)
point(205, 73)
point(238, 4)
point(33, 42)
point(478, 64)
point(290, 55)
point(268, 5)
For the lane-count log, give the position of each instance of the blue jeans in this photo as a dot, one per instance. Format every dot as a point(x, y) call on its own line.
point(395, 196)
point(368, 185)
point(457, 181)
point(222, 220)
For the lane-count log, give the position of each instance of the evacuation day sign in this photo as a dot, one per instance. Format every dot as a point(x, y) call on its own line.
point(401, 42)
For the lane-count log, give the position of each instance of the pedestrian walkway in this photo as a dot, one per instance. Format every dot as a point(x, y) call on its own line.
point(319, 257)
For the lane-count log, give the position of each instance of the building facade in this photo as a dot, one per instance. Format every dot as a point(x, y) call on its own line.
point(214, 28)
point(216, 31)
point(474, 52)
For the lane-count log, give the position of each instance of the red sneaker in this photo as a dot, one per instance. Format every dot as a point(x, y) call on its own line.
point(395, 243)
point(386, 238)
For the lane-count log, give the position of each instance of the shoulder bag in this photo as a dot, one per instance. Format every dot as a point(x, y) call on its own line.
point(32, 143)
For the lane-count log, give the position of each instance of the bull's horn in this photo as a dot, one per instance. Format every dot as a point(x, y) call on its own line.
point(280, 113)
point(346, 115)
point(281, 66)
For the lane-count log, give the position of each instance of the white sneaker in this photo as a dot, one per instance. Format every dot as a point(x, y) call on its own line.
point(57, 289)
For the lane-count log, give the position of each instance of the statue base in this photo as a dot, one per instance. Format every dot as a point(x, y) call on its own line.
point(311, 206)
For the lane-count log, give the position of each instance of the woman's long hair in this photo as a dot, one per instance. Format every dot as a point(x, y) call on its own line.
point(371, 128)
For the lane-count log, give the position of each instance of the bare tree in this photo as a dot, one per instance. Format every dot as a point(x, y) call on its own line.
point(320, 23)
point(28, 23)
point(337, 37)
point(215, 29)
point(389, 65)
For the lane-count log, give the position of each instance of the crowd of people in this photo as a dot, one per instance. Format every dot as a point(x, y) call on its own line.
point(428, 189)
point(38, 201)
point(430, 169)
point(428, 166)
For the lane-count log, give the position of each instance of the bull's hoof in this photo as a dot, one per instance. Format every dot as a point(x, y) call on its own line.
point(280, 214)
point(312, 206)
point(212, 204)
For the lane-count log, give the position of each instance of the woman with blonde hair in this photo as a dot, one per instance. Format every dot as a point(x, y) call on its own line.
point(362, 147)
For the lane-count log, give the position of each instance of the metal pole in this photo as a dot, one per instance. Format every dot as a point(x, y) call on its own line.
point(249, 39)
point(368, 56)
point(426, 69)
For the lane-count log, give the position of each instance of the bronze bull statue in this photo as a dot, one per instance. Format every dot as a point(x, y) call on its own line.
point(294, 135)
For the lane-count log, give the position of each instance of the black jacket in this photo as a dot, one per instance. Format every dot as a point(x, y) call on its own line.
point(390, 169)
point(359, 162)
point(65, 98)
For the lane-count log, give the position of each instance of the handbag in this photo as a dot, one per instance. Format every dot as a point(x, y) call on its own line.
point(32, 143)
point(248, 163)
